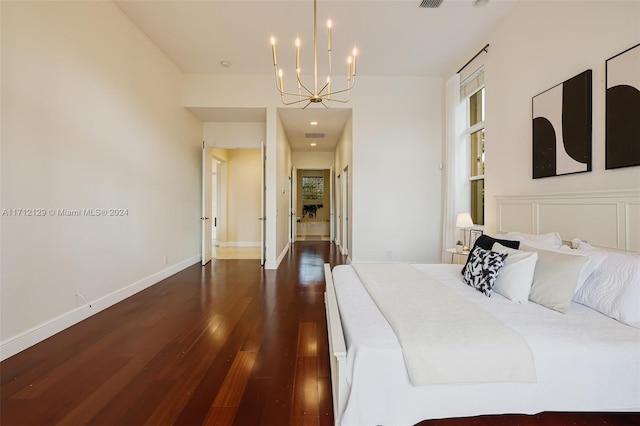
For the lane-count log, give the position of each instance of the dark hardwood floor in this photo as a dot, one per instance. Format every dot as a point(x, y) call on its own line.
point(224, 344)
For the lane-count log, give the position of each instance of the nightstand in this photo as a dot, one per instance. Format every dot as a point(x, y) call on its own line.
point(463, 255)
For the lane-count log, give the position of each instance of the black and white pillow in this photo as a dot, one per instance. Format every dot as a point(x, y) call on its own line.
point(482, 269)
point(486, 242)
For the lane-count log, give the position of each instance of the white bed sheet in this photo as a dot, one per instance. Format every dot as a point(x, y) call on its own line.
point(584, 361)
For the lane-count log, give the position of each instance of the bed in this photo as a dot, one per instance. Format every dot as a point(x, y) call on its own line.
point(585, 357)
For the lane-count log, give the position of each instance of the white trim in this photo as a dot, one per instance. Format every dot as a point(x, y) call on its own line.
point(608, 219)
point(47, 329)
point(274, 265)
point(475, 128)
point(239, 244)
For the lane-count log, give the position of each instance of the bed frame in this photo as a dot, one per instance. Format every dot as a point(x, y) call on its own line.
point(608, 219)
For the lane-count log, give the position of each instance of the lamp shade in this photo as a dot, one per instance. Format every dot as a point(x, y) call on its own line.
point(464, 220)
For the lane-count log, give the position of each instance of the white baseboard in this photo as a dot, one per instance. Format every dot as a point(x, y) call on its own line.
point(239, 243)
point(47, 329)
point(274, 264)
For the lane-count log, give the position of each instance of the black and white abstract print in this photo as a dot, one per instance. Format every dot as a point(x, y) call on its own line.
point(562, 128)
point(623, 109)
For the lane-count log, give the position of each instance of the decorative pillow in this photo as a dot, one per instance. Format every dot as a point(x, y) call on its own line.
point(614, 287)
point(555, 278)
point(550, 239)
point(486, 242)
point(516, 276)
point(483, 268)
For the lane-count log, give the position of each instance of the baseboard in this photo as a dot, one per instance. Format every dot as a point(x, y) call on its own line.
point(49, 328)
point(240, 244)
point(274, 265)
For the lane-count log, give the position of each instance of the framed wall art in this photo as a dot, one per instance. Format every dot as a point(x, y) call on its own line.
point(562, 128)
point(623, 109)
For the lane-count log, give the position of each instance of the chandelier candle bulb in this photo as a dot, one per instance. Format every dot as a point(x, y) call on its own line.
point(349, 68)
point(355, 53)
point(273, 51)
point(329, 35)
point(280, 73)
point(297, 54)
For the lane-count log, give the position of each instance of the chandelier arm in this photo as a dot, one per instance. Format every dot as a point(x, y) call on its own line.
point(324, 87)
point(344, 90)
point(303, 86)
point(293, 102)
point(343, 101)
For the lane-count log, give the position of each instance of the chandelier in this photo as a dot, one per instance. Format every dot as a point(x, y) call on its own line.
point(313, 95)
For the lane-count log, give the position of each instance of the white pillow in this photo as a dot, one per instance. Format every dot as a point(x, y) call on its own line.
point(555, 278)
point(614, 288)
point(516, 276)
point(551, 239)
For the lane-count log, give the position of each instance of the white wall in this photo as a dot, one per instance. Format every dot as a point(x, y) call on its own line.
point(343, 159)
point(92, 118)
point(313, 160)
point(396, 176)
point(243, 197)
point(282, 198)
point(233, 135)
point(537, 45)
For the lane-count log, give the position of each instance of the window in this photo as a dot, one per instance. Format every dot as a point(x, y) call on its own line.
point(475, 132)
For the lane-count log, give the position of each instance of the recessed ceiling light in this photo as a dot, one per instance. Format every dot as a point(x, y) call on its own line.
point(314, 123)
point(225, 64)
point(313, 144)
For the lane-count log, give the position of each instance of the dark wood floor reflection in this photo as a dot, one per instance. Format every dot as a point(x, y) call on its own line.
point(224, 344)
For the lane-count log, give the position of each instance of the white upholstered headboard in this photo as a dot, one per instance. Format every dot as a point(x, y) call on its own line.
point(603, 218)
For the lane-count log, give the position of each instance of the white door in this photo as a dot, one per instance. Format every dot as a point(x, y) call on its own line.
point(345, 211)
point(263, 206)
point(332, 210)
point(205, 219)
point(293, 216)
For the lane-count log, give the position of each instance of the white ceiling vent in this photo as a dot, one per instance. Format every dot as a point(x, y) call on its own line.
point(432, 4)
point(314, 135)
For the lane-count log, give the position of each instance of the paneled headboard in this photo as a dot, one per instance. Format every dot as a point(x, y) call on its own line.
point(603, 218)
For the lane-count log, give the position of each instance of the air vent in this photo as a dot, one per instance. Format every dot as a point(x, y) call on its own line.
point(314, 135)
point(432, 4)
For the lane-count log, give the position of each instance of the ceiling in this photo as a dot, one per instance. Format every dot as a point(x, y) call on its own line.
point(394, 38)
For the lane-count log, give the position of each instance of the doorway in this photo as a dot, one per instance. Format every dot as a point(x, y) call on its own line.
point(236, 200)
point(312, 205)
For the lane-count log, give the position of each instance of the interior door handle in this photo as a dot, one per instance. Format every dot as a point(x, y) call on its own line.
point(204, 218)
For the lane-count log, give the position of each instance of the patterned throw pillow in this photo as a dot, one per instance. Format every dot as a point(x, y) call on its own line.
point(482, 269)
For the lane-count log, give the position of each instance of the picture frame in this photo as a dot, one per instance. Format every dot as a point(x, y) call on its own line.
point(622, 100)
point(562, 128)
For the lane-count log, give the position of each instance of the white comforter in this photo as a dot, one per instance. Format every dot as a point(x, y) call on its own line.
point(437, 329)
point(584, 361)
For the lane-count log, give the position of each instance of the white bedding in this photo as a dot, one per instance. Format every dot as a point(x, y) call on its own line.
point(584, 361)
point(436, 328)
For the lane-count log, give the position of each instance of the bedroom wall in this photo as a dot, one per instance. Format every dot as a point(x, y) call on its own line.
point(536, 46)
point(397, 151)
point(92, 118)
